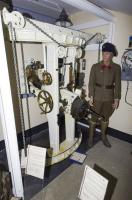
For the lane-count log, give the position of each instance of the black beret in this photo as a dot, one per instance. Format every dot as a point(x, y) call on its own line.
point(109, 47)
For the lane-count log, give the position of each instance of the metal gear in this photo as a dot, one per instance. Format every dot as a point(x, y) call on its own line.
point(45, 101)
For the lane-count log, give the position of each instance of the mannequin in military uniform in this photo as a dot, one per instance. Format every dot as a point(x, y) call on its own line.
point(104, 91)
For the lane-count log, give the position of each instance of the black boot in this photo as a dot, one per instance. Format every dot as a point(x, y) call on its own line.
point(92, 126)
point(104, 126)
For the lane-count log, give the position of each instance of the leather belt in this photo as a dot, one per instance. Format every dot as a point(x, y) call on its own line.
point(105, 86)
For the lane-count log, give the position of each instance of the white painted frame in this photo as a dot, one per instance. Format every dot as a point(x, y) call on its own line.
point(8, 121)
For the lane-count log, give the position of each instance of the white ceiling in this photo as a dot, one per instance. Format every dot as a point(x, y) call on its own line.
point(50, 9)
point(54, 6)
point(124, 6)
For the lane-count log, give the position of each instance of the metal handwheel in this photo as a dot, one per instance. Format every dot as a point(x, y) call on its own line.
point(45, 101)
point(47, 78)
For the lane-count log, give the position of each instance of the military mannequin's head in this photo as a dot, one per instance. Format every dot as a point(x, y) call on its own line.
point(108, 52)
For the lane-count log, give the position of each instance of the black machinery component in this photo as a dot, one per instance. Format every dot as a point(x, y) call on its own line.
point(81, 109)
point(32, 76)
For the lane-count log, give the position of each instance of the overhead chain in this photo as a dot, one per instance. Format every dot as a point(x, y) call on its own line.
point(13, 37)
point(45, 33)
point(42, 31)
point(87, 42)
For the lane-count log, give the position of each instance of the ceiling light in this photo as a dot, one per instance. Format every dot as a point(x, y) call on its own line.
point(63, 20)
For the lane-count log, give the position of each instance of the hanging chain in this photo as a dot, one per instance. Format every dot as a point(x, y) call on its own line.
point(13, 37)
point(26, 91)
point(42, 31)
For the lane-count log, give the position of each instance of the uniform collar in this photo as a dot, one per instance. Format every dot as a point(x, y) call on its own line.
point(102, 66)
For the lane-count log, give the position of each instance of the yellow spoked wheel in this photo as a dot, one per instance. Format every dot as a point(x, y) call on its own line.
point(45, 101)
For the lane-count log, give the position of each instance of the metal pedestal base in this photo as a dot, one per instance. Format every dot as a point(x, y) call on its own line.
point(66, 149)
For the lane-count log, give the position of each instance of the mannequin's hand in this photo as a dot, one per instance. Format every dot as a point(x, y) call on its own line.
point(91, 101)
point(115, 105)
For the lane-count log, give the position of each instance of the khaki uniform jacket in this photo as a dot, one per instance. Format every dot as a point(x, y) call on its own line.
point(105, 84)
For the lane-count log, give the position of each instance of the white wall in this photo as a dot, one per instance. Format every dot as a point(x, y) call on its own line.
point(122, 118)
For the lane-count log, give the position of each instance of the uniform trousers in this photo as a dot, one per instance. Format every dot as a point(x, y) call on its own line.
point(103, 108)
